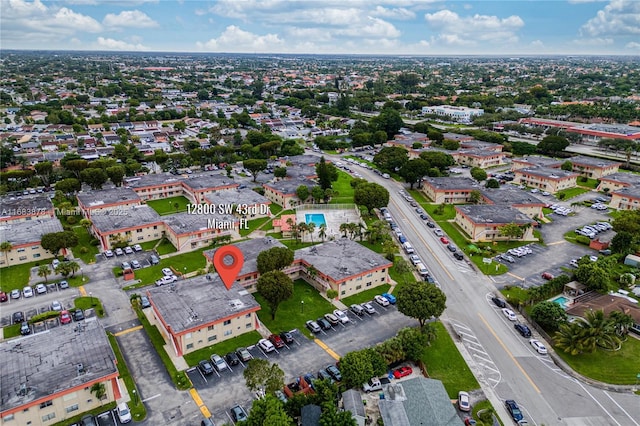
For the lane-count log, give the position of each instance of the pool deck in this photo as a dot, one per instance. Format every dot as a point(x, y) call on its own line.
point(333, 219)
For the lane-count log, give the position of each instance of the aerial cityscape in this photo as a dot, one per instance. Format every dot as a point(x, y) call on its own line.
point(319, 213)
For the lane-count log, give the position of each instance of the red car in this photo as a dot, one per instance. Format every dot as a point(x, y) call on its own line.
point(65, 317)
point(3, 296)
point(277, 341)
point(402, 372)
point(547, 275)
point(444, 240)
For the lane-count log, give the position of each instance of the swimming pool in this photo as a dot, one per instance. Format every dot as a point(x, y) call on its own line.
point(316, 218)
point(561, 300)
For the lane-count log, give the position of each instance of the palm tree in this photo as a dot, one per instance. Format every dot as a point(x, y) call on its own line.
point(6, 247)
point(344, 228)
point(73, 267)
point(99, 389)
point(322, 231)
point(310, 228)
point(302, 228)
point(292, 226)
point(85, 223)
point(44, 271)
point(621, 322)
point(360, 231)
point(599, 331)
point(569, 339)
point(352, 227)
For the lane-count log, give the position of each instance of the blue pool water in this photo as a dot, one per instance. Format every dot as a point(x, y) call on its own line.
point(561, 300)
point(316, 218)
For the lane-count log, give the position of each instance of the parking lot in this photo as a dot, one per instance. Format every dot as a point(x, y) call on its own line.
point(38, 304)
point(302, 356)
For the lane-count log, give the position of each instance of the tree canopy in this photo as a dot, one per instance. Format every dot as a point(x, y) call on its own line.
point(391, 158)
point(56, 241)
point(275, 258)
point(255, 166)
point(261, 374)
point(552, 144)
point(549, 315)
point(371, 195)
point(414, 170)
point(422, 301)
point(275, 287)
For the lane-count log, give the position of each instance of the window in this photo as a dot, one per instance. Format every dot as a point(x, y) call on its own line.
point(210, 328)
point(22, 258)
point(35, 247)
point(189, 345)
point(248, 316)
point(187, 336)
point(368, 284)
point(72, 408)
point(228, 332)
point(21, 250)
point(343, 292)
point(247, 325)
point(212, 338)
point(46, 404)
point(37, 255)
point(227, 322)
point(358, 287)
point(8, 418)
point(48, 417)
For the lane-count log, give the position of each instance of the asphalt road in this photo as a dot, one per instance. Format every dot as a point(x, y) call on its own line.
point(503, 361)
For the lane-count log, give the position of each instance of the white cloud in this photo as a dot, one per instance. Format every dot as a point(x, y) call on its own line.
point(469, 30)
point(596, 41)
point(235, 39)
point(537, 44)
point(394, 13)
point(129, 18)
point(112, 44)
point(620, 17)
point(632, 45)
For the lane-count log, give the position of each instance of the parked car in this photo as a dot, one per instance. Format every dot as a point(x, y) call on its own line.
point(390, 297)
point(334, 373)
point(15, 294)
point(137, 247)
point(218, 362)
point(232, 358)
point(277, 341)
point(538, 346)
point(63, 284)
point(3, 296)
point(451, 248)
point(323, 323)
point(167, 279)
point(56, 306)
point(511, 316)
point(125, 266)
point(287, 337)
point(464, 402)
point(78, 315)
point(333, 320)
point(514, 410)
point(167, 271)
point(27, 291)
point(108, 253)
point(153, 259)
point(547, 275)
point(124, 415)
point(144, 302)
point(25, 329)
point(88, 420)
point(313, 326)
point(414, 258)
point(523, 330)
point(357, 309)
point(382, 301)
point(266, 345)
point(368, 308)
point(128, 250)
point(402, 372)
point(238, 414)
point(342, 317)
point(244, 354)
point(458, 255)
point(17, 317)
point(65, 317)
point(372, 385)
point(118, 251)
point(443, 240)
point(205, 367)
point(135, 264)
point(438, 232)
point(324, 375)
point(499, 302)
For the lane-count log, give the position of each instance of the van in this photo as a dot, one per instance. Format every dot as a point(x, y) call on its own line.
point(408, 248)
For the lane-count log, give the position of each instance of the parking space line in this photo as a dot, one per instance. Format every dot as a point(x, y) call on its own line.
point(196, 398)
point(515, 276)
point(83, 292)
point(556, 242)
point(128, 330)
point(327, 349)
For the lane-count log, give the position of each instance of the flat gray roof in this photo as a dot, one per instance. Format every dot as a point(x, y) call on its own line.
point(341, 258)
point(628, 178)
point(459, 183)
point(495, 214)
point(22, 205)
point(28, 231)
point(479, 144)
point(300, 171)
point(107, 196)
point(593, 162)
point(510, 195)
point(45, 363)
point(182, 223)
point(125, 217)
point(418, 401)
point(303, 159)
point(547, 172)
point(151, 180)
point(289, 186)
point(352, 401)
point(538, 160)
point(630, 191)
point(479, 152)
point(195, 302)
point(250, 249)
point(208, 180)
point(237, 196)
point(456, 136)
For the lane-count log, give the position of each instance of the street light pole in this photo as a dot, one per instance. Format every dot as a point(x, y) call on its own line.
point(91, 296)
point(82, 272)
point(135, 398)
point(302, 306)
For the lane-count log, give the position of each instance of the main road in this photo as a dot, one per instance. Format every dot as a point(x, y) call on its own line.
point(505, 364)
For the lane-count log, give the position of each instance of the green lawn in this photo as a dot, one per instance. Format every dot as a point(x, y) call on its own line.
point(138, 410)
point(402, 279)
point(342, 187)
point(590, 183)
point(167, 205)
point(570, 193)
point(223, 348)
point(254, 224)
point(444, 362)
point(515, 295)
point(293, 313)
point(87, 302)
point(419, 196)
point(275, 209)
point(84, 250)
point(17, 276)
point(165, 246)
point(448, 213)
point(366, 296)
point(618, 367)
point(192, 261)
point(11, 331)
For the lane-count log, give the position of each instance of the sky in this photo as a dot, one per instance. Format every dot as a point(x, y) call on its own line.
point(393, 27)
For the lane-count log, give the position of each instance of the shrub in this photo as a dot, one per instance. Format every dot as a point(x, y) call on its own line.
point(581, 239)
point(390, 257)
point(72, 220)
point(582, 179)
point(84, 250)
point(332, 294)
point(94, 242)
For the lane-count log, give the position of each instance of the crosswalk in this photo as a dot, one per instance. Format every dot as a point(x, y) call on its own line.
point(487, 369)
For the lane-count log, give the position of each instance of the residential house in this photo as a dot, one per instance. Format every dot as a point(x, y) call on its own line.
point(191, 231)
point(535, 161)
point(508, 195)
point(246, 202)
point(283, 193)
point(110, 199)
point(135, 225)
point(608, 303)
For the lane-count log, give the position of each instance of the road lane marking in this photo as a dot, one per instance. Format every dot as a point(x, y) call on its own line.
point(596, 401)
point(327, 349)
point(128, 330)
point(509, 353)
point(196, 398)
point(152, 397)
point(556, 243)
point(83, 292)
point(515, 276)
point(623, 410)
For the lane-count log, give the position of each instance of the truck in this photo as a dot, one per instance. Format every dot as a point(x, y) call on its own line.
point(372, 385)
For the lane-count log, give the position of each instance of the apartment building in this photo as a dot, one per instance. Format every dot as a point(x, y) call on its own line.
point(484, 222)
point(479, 158)
point(545, 179)
point(616, 181)
point(594, 168)
point(626, 199)
point(449, 190)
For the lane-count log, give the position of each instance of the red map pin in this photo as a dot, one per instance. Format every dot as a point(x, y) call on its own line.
point(228, 271)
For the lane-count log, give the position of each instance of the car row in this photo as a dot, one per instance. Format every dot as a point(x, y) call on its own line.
point(338, 316)
point(560, 210)
point(122, 251)
point(28, 291)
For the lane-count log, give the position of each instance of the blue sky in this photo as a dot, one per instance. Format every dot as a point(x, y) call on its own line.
point(418, 27)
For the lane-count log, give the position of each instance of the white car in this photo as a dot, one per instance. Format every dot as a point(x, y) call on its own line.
point(128, 250)
point(137, 247)
point(27, 292)
point(538, 346)
point(41, 289)
point(108, 253)
point(124, 415)
point(56, 306)
point(119, 252)
point(342, 317)
point(167, 271)
point(381, 300)
point(167, 279)
point(266, 345)
point(415, 259)
point(438, 232)
point(511, 316)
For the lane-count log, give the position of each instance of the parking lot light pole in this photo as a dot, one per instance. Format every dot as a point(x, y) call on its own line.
point(135, 398)
point(82, 273)
point(302, 306)
point(91, 296)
